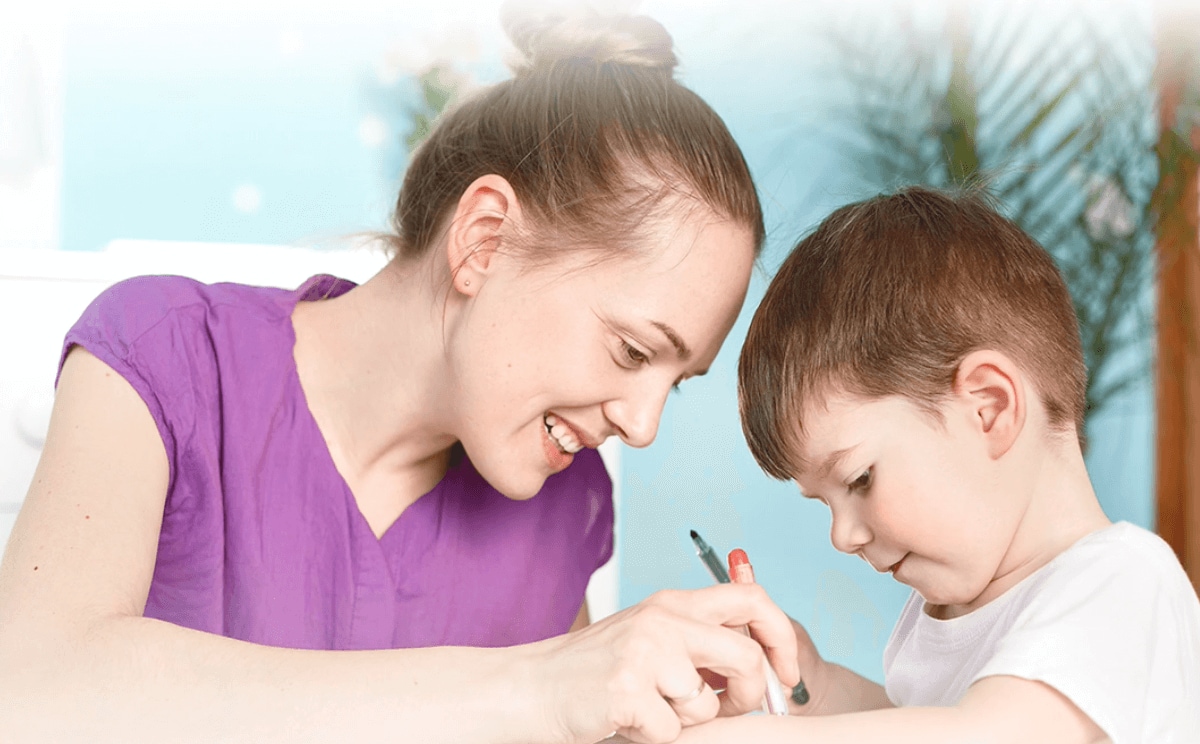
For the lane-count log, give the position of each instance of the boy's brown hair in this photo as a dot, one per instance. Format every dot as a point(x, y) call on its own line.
point(886, 298)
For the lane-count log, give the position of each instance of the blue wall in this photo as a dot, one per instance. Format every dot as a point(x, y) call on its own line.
point(165, 118)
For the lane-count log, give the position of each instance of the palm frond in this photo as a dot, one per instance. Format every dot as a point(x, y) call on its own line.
point(1043, 118)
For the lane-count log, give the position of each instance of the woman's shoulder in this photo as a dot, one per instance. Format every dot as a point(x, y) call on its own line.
point(137, 304)
point(170, 335)
point(152, 311)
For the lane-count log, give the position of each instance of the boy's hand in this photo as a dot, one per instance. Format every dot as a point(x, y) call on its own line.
point(813, 672)
point(831, 688)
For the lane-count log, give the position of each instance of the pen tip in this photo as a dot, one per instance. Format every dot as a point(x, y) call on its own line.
point(694, 534)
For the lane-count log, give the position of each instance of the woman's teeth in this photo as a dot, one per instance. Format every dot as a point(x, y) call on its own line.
point(562, 435)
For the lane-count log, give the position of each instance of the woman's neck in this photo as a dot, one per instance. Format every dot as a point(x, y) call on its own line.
point(373, 371)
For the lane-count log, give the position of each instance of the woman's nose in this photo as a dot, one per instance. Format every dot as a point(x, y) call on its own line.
point(635, 416)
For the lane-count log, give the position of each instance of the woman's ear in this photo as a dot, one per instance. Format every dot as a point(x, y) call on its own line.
point(991, 386)
point(486, 214)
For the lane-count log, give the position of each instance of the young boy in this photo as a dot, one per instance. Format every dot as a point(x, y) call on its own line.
point(916, 366)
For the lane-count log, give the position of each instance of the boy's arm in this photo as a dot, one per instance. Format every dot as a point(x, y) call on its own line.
point(832, 688)
point(838, 690)
point(995, 710)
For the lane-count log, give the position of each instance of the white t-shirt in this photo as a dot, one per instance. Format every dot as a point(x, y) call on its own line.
point(1112, 623)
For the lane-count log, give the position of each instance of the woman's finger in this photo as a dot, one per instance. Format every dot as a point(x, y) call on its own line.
point(654, 722)
point(737, 605)
point(644, 662)
point(698, 705)
point(727, 653)
point(714, 680)
point(667, 652)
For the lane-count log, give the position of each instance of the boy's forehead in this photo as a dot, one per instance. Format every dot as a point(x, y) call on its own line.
point(828, 425)
point(831, 427)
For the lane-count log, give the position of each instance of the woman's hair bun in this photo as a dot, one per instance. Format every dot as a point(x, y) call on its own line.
point(545, 34)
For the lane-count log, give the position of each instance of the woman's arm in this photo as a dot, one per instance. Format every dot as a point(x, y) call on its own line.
point(78, 662)
point(996, 710)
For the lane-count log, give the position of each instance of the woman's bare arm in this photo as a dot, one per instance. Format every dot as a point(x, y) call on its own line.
point(78, 662)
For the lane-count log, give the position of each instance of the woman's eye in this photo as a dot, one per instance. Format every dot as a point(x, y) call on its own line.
point(632, 355)
point(862, 482)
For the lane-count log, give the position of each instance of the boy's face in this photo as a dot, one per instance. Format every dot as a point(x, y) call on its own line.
point(910, 495)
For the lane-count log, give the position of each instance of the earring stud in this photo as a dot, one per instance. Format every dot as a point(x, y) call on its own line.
point(466, 282)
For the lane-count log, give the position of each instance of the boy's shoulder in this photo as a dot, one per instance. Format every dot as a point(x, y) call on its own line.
point(1112, 623)
point(1121, 551)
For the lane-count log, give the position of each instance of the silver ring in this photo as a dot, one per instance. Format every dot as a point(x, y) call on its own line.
point(690, 696)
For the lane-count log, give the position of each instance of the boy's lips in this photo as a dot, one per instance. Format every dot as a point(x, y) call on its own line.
point(884, 567)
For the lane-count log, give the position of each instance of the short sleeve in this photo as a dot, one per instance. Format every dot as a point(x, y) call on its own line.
point(133, 328)
point(1116, 638)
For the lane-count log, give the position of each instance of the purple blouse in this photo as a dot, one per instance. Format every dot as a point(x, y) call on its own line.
point(261, 538)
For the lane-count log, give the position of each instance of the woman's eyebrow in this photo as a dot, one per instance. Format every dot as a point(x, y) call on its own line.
point(681, 348)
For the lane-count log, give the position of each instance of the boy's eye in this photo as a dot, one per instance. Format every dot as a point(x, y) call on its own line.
point(862, 482)
point(634, 357)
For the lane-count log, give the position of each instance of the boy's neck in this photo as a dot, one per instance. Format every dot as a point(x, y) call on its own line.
point(1061, 508)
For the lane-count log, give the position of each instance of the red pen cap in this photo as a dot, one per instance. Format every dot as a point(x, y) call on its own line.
point(739, 567)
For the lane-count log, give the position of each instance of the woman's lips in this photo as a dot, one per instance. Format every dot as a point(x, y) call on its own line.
point(555, 457)
point(579, 435)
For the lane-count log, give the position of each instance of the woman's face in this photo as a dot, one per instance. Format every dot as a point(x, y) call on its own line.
point(549, 359)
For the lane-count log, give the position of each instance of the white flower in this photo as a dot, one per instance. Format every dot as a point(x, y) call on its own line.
point(451, 47)
point(1109, 213)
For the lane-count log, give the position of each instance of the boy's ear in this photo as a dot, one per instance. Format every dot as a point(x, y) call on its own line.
point(486, 208)
point(989, 384)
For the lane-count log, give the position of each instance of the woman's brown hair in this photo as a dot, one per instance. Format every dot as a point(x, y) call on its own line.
point(594, 134)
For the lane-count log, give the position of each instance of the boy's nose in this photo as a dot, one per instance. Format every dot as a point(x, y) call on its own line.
point(849, 533)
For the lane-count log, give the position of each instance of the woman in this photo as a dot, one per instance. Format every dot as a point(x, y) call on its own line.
point(264, 515)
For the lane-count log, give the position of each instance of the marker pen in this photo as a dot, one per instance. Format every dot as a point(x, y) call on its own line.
point(743, 573)
point(709, 556)
point(717, 570)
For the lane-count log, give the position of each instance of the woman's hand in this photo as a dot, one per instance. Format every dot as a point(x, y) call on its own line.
point(636, 672)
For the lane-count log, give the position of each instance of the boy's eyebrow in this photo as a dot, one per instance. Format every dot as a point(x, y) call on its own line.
point(832, 461)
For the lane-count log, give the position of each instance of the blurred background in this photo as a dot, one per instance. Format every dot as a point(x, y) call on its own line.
point(256, 140)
